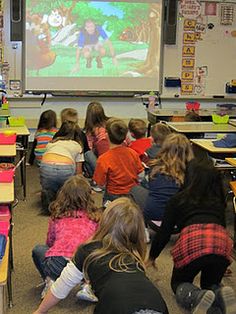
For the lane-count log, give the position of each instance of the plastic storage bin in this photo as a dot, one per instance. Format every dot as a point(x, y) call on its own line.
point(6, 176)
point(7, 139)
point(16, 121)
point(218, 119)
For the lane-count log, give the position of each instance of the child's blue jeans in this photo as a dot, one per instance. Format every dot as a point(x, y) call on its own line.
point(48, 266)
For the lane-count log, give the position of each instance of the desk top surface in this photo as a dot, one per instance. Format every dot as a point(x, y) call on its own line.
point(7, 192)
point(208, 145)
point(231, 161)
point(8, 150)
point(4, 266)
point(181, 112)
point(4, 113)
point(232, 122)
point(198, 127)
point(19, 130)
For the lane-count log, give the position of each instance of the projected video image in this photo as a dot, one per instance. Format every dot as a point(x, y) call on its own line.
point(92, 38)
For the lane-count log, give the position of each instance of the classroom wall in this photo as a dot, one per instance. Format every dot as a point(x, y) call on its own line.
point(31, 108)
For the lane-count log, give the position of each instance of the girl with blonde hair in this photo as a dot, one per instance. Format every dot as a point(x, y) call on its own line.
point(73, 220)
point(166, 176)
point(114, 262)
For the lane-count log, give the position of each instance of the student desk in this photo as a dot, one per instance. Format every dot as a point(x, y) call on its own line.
point(231, 161)
point(4, 113)
point(201, 127)
point(7, 196)
point(22, 133)
point(207, 145)
point(4, 279)
point(7, 192)
point(7, 150)
point(232, 122)
point(204, 147)
point(166, 114)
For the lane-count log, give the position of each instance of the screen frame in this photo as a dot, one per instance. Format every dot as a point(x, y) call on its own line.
point(108, 90)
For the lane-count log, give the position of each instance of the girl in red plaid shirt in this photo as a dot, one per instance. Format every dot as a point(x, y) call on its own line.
point(203, 246)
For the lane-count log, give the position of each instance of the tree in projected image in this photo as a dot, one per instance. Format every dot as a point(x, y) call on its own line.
point(129, 48)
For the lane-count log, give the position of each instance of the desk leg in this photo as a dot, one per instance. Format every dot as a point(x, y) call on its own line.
point(9, 288)
point(23, 173)
point(2, 300)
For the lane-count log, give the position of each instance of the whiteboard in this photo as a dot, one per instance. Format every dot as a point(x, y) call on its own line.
point(213, 62)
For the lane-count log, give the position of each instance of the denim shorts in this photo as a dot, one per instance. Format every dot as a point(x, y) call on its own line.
point(53, 176)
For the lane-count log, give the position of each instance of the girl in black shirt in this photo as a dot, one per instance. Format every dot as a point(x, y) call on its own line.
point(203, 246)
point(113, 262)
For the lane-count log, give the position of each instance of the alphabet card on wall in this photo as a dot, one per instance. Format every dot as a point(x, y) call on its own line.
point(205, 52)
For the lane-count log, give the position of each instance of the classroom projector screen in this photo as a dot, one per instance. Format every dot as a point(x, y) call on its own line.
point(100, 46)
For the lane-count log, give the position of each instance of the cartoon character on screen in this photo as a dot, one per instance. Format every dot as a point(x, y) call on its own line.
point(90, 45)
point(39, 53)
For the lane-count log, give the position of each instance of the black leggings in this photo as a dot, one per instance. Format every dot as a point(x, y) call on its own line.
point(212, 268)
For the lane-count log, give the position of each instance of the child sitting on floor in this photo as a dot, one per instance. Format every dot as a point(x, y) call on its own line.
point(45, 131)
point(62, 159)
point(117, 169)
point(73, 221)
point(71, 115)
point(95, 128)
point(114, 263)
point(204, 245)
point(138, 130)
point(159, 132)
point(166, 176)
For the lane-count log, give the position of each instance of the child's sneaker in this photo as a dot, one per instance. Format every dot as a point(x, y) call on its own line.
point(227, 300)
point(48, 284)
point(205, 302)
point(86, 293)
point(106, 203)
point(95, 187)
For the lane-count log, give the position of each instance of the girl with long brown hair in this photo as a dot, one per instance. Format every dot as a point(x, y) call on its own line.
point(73, 220)
point(95, 128)
point(114, 262)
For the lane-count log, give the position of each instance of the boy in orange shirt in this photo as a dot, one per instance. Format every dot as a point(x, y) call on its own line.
point(119, 168)
point(138, 130)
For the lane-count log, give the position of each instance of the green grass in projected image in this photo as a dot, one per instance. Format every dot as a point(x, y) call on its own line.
point(65, 62)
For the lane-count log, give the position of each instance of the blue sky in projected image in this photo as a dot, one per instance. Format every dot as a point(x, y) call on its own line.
point(107, 9)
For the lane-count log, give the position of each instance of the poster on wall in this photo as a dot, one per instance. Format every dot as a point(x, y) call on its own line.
point(15, 85)
point(210, 8)
point(190, 9)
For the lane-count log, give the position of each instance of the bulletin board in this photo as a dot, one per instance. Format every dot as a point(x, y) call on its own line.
point(204, 57)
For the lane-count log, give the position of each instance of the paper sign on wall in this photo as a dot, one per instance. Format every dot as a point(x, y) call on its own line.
point(210, 8)
point(188, 51)
point(188, 63)
point(189, 38)
point(190, 8)
point(187, 76)
point(189, 25)
point(186, 89)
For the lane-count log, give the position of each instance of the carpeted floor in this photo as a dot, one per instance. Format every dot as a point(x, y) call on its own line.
point(30, 228)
